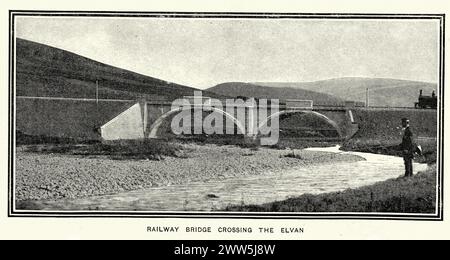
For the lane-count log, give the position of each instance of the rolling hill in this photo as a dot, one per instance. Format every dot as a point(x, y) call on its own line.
point(42, 70)
point(382, 91)
point(257, 91)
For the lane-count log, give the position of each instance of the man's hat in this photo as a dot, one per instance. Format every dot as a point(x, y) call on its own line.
point(405, 120)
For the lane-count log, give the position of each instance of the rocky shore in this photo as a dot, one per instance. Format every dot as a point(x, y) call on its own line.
point(55, 176)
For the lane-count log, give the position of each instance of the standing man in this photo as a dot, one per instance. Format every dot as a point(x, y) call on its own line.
point(407, 147)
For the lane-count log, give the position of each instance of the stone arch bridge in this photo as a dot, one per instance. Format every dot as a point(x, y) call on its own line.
point(144, 119)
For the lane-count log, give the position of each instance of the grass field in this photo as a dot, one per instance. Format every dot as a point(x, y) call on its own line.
point(402, 195)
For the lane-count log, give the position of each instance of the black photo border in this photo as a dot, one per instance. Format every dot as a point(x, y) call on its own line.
point(12, 212)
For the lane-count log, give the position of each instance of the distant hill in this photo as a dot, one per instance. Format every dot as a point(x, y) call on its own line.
point(257, 91)
point(382, 91)
point(42, 70)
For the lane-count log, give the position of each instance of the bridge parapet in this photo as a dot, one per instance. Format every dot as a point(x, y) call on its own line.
point(293, 104)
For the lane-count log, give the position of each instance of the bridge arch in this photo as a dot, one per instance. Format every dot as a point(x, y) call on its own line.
point(279, 113)
point(156, 125)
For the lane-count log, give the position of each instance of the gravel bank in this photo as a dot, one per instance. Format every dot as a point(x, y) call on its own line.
point(53, 176)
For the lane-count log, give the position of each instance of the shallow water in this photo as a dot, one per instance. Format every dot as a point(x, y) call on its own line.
point(214, 195)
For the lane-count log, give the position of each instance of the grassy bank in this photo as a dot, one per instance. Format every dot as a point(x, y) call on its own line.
point(389, 147)
point(385, 124)
point(402, 195)
point(118, 150)
point(380, 132)
point(25, 139)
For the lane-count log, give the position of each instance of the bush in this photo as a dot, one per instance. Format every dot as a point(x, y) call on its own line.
point(293, 155)
point(24, 139)
point(123, 149)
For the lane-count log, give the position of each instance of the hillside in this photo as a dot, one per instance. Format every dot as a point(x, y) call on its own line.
point(257, 91)
point(382, 91)
point(42, 70)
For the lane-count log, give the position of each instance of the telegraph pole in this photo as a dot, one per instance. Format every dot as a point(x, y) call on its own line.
point(97, 117)
point(96, 91)
point(367, 97)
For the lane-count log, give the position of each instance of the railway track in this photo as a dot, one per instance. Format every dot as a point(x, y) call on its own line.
point(369, 108)
point(396, 108)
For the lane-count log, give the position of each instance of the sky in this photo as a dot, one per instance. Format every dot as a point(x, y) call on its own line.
point(204, 52)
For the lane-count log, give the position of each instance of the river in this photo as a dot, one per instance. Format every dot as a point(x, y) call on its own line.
point(216, 195)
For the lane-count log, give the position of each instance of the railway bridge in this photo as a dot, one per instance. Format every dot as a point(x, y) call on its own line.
point(250, 118)
point(106, 119)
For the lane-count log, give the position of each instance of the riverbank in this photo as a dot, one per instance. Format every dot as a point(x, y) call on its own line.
point(49, 175)
point(384, 138)
point(401, 195)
